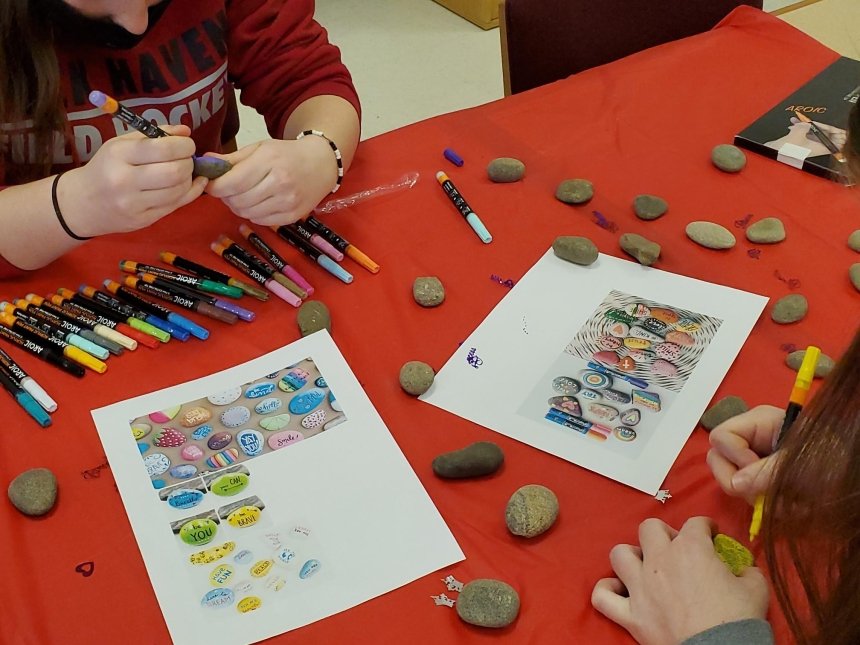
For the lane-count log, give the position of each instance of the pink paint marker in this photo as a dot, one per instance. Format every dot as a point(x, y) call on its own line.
point(302, 229)
point(274, 259)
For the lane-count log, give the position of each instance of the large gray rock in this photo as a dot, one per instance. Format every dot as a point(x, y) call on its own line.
point(728, 158)
point(823, 366)
point(34, 491)
point(531, 510)
point(428, 292)
point(480, 458)
point(488, 603)
point(854, 241)
point(575, 191)
point(710, 235)
point(789, 309)
point(769, 230)
point(649, 207)
point(505, 170)
point(579, 250)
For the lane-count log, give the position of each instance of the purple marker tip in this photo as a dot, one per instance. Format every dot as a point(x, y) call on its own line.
point(243, 313)
point(98, 98)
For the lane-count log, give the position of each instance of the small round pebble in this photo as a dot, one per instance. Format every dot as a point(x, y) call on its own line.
point(722, 410)
point(728, 158)
point(710, 235)
point(480, 458)
point(769, 230)
point(649, 207)
point(488, 603)
point(644, 250)
point(823, 366)
point(575, 191)
point(790, 309)
point(416, 377)
point(736, 556)
point(854, 241)
point(428, 292)
point(579, 250)
point(531, 510)
point(313, 315)
point(34, 491)
point(505, 170)
point(854, 274)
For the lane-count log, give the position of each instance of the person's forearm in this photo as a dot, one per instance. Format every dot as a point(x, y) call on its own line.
point(334, 116)
point(30, 234)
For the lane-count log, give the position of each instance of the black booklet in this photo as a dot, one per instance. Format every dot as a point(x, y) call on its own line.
point(806, 130)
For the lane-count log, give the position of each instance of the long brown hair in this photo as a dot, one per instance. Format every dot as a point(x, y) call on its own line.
point(29, 82)
point(812, 513)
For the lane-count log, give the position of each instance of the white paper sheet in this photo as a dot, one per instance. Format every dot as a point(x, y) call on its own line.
point(549, 326)
point(345, 497)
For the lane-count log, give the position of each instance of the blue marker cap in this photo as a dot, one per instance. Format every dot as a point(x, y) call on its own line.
point(26, 401)
point(334, 268)
point(160, 323)
point(479, 228)
point(88, 346)
point(196, 330)
point(453, 157)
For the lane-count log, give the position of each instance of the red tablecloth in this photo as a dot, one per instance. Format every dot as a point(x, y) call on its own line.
point(645, 124)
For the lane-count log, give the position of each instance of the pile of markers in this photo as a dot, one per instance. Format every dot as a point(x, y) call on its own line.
point(77, 331)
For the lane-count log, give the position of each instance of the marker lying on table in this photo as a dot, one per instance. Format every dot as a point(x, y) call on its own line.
point(593, 430)
point(183, 300)
point(42, 351)
point(25, 400)
point(104, 331)
point(176, 288)
point(342, 244)
point(274, 259)
point(211, 274)
point(194, 282)
point(314, 238)
point(802, 385)
point(167, 321)
point(55, 332)
point(27, 382)
point(39, 336)
point(459, 201)
point(147, 330)
point(46, 317)
point(261, 265)
point(255, 272)
point(205, 166)
point(301, 245)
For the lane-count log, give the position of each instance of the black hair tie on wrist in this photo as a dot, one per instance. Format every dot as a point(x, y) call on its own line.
point(59, 213)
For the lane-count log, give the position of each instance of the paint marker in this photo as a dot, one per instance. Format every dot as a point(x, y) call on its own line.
point(301, 245)
point(25, 400)
point(27, 382)
point(313, 238)
point(42, 351)
point(459, 201)
point(255, 272)
point(342, 244)
point(272, 257)
point(194, 282)
point(110, 319)
point(106, 334)
point(176, 288)
point(184, 301)
point(149, 330)
point(57, 332)
point(50, 318)
point(39, 336)
point(593, 430)
point(597, 367)
point(68, 299)
point(205, 272)
point(204, 166)
point(174, 324)
point(261, 265)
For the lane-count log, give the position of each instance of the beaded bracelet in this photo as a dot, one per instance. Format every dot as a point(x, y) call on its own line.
point(337, 155)
point(59, 213)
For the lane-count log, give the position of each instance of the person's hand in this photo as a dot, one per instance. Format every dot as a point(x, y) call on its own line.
point(131, 182)
point(674, 586)
point(740, 456)
point(277, 182)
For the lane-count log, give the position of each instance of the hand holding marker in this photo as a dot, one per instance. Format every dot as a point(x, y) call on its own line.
point(205, 166)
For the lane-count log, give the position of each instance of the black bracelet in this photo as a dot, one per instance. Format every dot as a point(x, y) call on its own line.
point(59, 213)
point(337, 156)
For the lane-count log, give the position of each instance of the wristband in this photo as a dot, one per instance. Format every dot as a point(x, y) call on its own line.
point(338, 157)
point(59, 213)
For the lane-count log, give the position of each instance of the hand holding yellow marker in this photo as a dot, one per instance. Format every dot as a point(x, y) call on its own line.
point(799, 392)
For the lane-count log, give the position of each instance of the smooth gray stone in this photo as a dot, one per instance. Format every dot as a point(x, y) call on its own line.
point(728, 158)
point(210, 167)
point(649, 207)
point(579, 250)
point(531, 510)
point(769, 230)
point(644, 250)
point(505, 170)
point(854, 274)
point(725, 408)
point(313, 315)
point(575, 191)
point(710, 235)
point(789, 309)
point(34, 491)
point(823, 366)
point(428, 292)
point(416, 377)
point(854, 241)
point(480, 458)
point(488, 603)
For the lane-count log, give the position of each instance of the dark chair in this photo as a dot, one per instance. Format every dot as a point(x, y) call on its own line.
point(546, 40)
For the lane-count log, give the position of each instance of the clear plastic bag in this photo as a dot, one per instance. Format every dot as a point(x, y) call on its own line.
point(406, 181)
